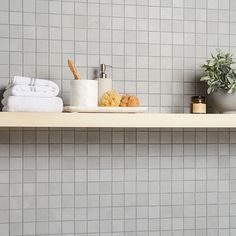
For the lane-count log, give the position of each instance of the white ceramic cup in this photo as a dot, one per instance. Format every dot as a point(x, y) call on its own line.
point(84, 93)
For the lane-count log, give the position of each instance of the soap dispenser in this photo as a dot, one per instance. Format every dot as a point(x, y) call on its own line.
point(104, 83)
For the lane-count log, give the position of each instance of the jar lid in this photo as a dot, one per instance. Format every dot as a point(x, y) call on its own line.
point(199, 99)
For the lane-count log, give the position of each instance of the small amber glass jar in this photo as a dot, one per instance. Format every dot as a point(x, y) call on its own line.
point(198, 105)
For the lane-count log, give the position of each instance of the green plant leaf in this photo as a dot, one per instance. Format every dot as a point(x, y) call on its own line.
point(210, 90)
point(219, 72)
point(205, 78)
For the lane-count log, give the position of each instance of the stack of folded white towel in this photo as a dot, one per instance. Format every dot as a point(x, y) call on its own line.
point(24, 94)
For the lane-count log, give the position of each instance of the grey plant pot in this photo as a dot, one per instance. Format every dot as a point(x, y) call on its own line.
point(223, 102)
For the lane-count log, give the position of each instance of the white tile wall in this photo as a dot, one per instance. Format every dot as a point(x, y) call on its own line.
point(114, 181)
point(117, 182)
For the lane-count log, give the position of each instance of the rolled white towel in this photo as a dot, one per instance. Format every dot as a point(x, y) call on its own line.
point(31, 91)
point(32, 104)
point(20, 80)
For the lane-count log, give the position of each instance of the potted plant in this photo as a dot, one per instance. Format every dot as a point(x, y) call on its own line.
point(221, 81)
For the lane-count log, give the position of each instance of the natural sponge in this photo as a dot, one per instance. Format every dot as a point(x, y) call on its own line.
point(110, 99)
point(129, 101)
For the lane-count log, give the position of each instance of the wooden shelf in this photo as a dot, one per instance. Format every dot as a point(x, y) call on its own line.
point(108, 120)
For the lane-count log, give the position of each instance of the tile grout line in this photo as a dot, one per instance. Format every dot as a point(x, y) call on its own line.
point(48, 189)
point(99, 133)
point(61, 184)
point(74, 184)
point(9, 162)
point(61, 130)
point(112, 130)
point(171, 183)
point(160, 192)
point(195, 182)
point(206, 7)
point(23, 72)
point(136, 180)
point(183, 197)
point(206, 204)
point(148, 131)
point(195, 51)
point(35, 135)
point(230, 131)
point(9, 181)
point(36, 180)
point(172, 73)
point(136, 132)
point(124, 90)
point(87, 175)
point(124, 38)
point(61, 40)
point(160, 46)
point(74, 130)
point(230, 156)
point(48, 131)
point(217, 180)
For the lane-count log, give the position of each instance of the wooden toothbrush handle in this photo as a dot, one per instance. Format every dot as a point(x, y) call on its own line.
point(73, 69)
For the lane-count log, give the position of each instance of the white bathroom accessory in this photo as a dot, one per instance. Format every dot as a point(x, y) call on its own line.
point(83, 93)
point(26, 94)
point(106, 109)
point(32, 104)
point(104, 83)
point(31, 91)
point(22, 80)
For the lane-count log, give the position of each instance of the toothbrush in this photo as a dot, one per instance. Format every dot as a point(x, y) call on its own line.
point(73, 69)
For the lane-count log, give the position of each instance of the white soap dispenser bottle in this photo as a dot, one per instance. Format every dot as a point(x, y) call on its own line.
point(104, 83)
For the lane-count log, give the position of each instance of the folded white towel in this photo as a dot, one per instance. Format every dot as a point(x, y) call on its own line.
point(32, 82)
point(31, 91)
point(32, 104)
